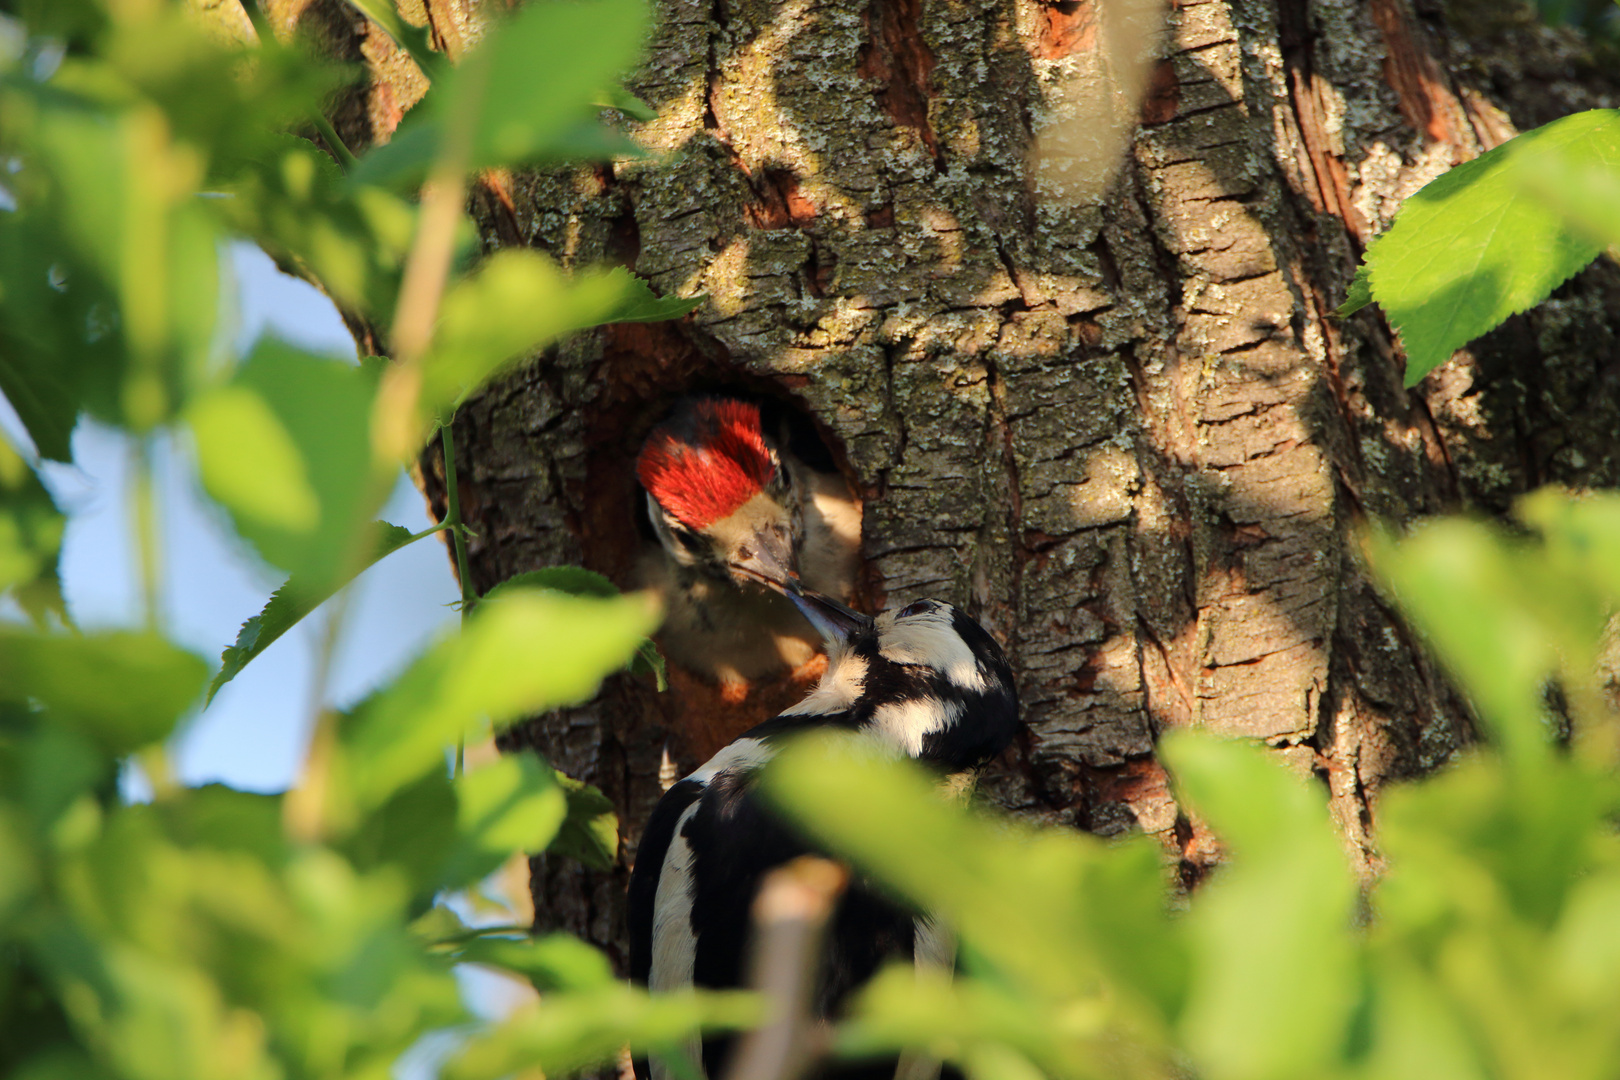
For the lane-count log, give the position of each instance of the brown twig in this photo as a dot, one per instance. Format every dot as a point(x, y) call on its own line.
point(790, 916)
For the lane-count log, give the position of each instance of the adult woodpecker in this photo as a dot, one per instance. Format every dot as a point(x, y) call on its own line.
point(742, 510)
point(925, 680)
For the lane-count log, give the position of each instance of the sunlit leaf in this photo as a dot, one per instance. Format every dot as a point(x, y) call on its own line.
point(1474, 247)
point(514, 656)
point(517, 302)
point(291, 602)
point(511, 804)
point(249, 462)
point(321, 412)
point(528, 89)
point(125, 690)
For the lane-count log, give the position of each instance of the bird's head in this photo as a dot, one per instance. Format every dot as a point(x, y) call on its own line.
point(926, 679)
point(719, 498)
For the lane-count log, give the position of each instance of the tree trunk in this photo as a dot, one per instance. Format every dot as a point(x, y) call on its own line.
point(1123, 429)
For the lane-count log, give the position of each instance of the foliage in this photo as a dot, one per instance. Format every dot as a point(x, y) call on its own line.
point(1486, 948)
point(212, 932)
point(1494, 236)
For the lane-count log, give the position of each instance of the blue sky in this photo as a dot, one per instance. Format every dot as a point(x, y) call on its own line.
point(252, 736)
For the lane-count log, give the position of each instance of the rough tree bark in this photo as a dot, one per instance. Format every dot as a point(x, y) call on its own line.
point(1126, 433)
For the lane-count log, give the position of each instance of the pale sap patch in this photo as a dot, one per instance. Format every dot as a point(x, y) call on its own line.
point(840, 687)
point(930, 640)
point(742, 755)
point(904, 724)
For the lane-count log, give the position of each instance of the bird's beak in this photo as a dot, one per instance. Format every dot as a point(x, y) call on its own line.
point(769, 562)
point(837, 624)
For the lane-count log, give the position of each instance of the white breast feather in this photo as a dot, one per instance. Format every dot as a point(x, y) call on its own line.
point(838, 689)
point(931, 639)
point(904, 724)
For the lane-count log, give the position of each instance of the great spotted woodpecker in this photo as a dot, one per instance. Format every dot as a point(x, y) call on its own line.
point(742, 509)
point(927, 681)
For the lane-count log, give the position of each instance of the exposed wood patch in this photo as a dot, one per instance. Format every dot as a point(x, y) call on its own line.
point(1163, 95)
point(1424, 98)
point(781, 204)
point(897, 57)
point(1067, 27)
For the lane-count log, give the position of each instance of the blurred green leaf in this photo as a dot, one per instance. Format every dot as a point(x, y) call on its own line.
point(573, 1031)
point(528, 88)
point(1018, 897)
point(554, 962)
point(513, 804)
point(590, 831)
point(294, 600)
point(1473, 247)
point(516, 655)
point(413, 39)
point(1272, 933)
point(1460, 582)
point(124, 690)
point(31, 528)
point(249, 462)
point(311, 435)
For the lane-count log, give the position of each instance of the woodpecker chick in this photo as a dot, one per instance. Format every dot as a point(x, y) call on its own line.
point(740, 519)
point(928, 682)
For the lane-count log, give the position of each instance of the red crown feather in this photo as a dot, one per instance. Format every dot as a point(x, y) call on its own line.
point(705, 476)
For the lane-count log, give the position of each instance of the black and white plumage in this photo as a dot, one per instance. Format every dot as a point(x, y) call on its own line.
point(928, 682)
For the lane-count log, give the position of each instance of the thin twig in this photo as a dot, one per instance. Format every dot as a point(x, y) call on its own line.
point(790, 917)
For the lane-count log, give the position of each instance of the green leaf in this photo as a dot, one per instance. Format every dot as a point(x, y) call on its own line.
point(590, 831)
point(124, 690)
point(517, 655)
point(575, 1030)
point(513, 804)
point(553, 962)
point(639, 304)
point(413, 39)
point(526, 90)
point(573, 580)
point(517, 302)
point(1360, 294)
point(249, 462)
point(31, 530)
point(310, 435)
point(292, 601)
point(1473, 247)
point(1019, 898)
point(1272, 933)
point(617, 97)
point(577, 581)
point(1463, 584)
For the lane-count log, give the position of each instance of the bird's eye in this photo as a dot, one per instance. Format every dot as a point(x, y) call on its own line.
point(918, 608)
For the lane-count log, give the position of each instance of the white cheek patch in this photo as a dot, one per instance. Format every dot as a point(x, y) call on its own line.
point(930, 639)
point(743, 755)
point(905, 724)
point(840, 687)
